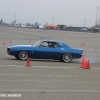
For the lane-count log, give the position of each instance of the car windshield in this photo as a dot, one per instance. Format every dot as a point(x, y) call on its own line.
point(37, 43)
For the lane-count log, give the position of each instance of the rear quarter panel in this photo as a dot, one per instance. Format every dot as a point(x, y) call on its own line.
point(76, 53)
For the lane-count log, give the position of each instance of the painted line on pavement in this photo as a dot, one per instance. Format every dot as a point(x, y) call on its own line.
point(45, 66)
point(34, 75)
point(38, 66)
point(43, 81)
point(89, 91)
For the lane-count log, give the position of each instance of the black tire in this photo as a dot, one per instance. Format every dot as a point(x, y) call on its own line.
point(61, 60)
point(22, 55)
point(67, 57)
point(16, 57)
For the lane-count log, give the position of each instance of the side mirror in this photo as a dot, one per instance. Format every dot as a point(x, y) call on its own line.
point(39, 46)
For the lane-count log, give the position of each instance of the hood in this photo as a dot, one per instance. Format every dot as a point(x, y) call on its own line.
point(20, 46)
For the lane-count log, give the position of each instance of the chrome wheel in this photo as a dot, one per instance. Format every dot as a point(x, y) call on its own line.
point(67, 57)
point(23, 55)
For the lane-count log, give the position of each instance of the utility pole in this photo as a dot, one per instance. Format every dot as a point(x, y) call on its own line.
point(85, 23)
point(14, 19)
point(53, 20)
point(97, 16)
point(99, 19)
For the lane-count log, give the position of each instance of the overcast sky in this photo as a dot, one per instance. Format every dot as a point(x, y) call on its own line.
point(69, 12)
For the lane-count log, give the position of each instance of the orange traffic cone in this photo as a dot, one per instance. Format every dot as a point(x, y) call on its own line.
point(83, 61)
point(4, 43)
point(29, 41)
point(28, 62)
point(87, 65)
point(10, 41)
point(96, 48)
point(81, 44)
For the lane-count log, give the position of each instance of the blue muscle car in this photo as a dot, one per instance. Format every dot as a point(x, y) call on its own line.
point(45, 49)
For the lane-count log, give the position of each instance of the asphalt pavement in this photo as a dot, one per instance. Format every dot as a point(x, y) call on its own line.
point(49, 79)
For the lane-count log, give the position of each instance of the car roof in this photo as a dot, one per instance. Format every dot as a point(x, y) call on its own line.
point(59, 42)
point(51, 41)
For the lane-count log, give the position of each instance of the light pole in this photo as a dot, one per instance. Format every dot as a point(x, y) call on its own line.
point(99, 19)
point(53, 20)
point(85, 23)
point(14, 19)
point(97, 16)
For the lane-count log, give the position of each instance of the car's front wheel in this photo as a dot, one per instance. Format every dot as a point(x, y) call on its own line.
point(22, 55)
point(67, 57)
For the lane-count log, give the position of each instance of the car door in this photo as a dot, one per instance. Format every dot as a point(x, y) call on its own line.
point(45, 52)
point(58, 49)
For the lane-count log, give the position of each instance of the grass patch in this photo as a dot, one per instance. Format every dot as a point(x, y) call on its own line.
point(8, 92)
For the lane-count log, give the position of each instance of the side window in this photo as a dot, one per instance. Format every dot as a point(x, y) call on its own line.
point(51, 44)
point(57, 45)
point(44, 44)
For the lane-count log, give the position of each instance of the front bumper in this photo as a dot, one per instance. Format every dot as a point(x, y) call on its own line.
point(8, 51)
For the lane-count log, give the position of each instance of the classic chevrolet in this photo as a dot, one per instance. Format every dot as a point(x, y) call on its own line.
point(46, 49)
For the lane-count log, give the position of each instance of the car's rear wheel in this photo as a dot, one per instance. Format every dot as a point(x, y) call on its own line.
point(22, 55)
point(67, 57)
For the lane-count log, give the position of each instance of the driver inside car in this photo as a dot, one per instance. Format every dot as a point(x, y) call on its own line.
point(50, 44)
